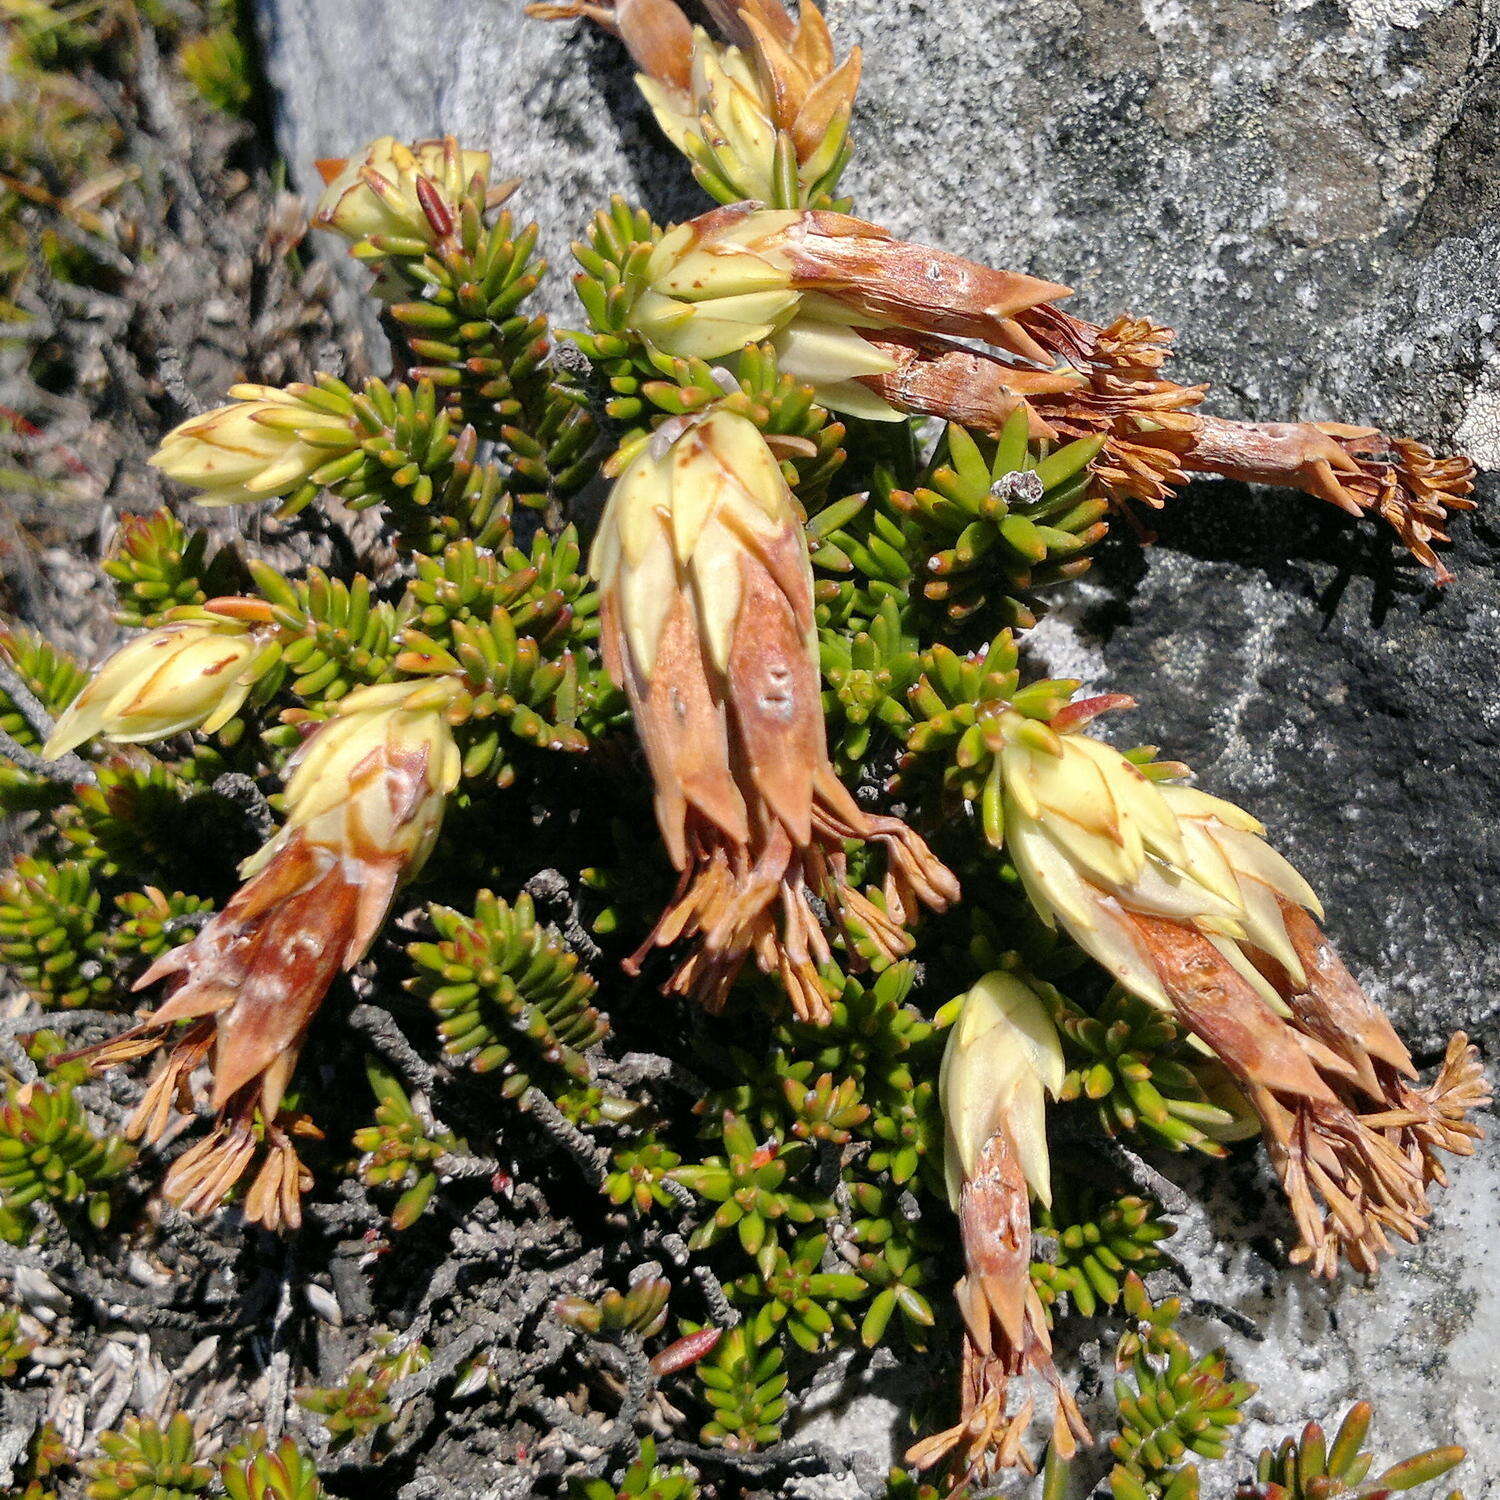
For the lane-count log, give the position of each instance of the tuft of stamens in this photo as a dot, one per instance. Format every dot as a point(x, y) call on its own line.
point(1147, 422)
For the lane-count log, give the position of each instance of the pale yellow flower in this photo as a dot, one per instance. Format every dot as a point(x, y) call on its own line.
point(398, 726)
point(690, 510)
point(264, 444)
point(728, 105)
point(1002, 1061)
point(190, 675)
point(1094, 839)
point(364, 806)
point(707, 615)
point(1177, 895)
point(852, 311)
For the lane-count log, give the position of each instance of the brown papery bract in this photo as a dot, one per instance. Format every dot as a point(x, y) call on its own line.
point(1350, 1186)
point(1005, 1332)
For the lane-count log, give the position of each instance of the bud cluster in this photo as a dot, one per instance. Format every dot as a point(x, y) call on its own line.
point(194, 673)
point(1003, 1060)
point(453, 279)
point(394, 198)
point(765, 116)
point(267, 444)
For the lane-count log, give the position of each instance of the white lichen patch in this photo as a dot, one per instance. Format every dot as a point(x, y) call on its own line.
point(1369, 15)
point(1060, 644)
point(1478, 434)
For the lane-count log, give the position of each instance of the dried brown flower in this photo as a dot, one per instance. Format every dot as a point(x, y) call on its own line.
point(363, 809)
point(872, 322)
point(1002, 1060)
point(708, 625)
point(1178, 896)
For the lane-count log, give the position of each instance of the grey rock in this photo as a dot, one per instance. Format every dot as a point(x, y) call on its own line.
point(1310, 193)
point(1418, 1340)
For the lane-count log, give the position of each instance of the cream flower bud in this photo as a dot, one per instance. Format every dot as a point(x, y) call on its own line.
point(376, 192)
point(691, 508)
point(185, 676)
point(744, 109)
point(712, 285)
point(264, 444)
point(764, 119)
point(727, 105)
point(399, 727)
point(1095, 841)
point(852, 311)
point(864, 276)
point(722, 281)
point(1002, 1060)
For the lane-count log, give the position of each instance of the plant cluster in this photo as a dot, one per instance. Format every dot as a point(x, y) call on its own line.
point(645, 1479)
point(1171, 1403)
point(1308, 1465)
point(50, 1154)
point(359, 1406)
point(376, 826)
point(151, 1461)
point(1097, 1240)
point(143, 1459)
point(257, 1470)
point(401, 1149)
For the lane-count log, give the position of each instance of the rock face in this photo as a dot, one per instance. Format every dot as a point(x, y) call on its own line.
point(1310, 193)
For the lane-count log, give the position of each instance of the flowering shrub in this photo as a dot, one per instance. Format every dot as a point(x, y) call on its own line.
point(792, 640)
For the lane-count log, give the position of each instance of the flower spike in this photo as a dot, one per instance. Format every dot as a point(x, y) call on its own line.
point(1002, 1061)
point(267, 443)
point(853, 312)
point(872, 323)
point(364, 804)
point(1177, 894)
point(708, 625)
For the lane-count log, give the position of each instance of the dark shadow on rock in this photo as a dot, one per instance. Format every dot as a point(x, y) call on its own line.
point(1308, 670)
point(662, 183)
point(1289, 538)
